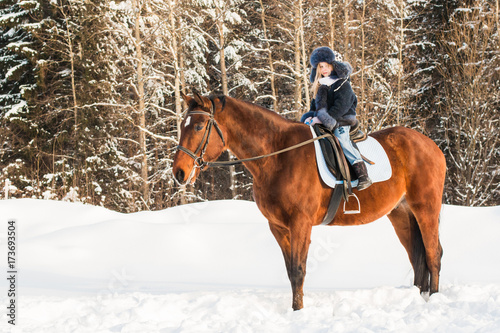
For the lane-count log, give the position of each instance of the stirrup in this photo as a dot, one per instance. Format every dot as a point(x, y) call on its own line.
point(353, 211)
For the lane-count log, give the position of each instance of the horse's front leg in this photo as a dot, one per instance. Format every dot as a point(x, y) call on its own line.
point(282, 236)
point(294, 243)
point(300, 236)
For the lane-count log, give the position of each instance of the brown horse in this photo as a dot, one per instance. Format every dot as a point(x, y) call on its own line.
point(291, 195)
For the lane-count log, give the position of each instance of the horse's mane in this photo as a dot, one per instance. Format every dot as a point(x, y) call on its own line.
point(273, 115)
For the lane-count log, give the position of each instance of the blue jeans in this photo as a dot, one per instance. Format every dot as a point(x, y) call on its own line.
point(351, 153)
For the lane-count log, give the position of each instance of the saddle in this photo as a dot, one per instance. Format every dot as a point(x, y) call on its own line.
point(334, 155)
point(338, 164)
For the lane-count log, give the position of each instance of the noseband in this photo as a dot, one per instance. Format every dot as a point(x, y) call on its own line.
point(202, 147)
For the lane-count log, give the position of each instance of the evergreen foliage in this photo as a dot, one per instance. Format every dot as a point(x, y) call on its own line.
point(90, 104)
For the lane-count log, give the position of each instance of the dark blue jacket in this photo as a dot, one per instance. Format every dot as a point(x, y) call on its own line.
point(336, 104)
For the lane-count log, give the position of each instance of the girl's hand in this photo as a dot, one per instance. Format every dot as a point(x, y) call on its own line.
point(312, 120)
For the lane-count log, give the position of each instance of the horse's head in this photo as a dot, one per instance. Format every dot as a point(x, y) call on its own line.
point(201, 141)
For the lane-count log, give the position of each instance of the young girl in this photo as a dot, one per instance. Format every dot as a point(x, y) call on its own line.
point(334, 105)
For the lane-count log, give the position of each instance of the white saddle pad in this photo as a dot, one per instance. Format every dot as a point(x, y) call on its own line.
point(371, 149)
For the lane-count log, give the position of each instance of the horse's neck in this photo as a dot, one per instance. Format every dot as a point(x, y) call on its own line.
point(253, 131)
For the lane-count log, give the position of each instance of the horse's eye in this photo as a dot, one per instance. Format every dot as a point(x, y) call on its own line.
point(198, 127)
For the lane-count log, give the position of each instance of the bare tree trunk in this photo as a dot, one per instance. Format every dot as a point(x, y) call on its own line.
point(346, 30)
point(297, 49)
point(362, 109)
point(184, 198)
point(69, 42)
point(400, 72)
point(72, 62)
point(177, 81)
point(331, 21)
point(142, 108)
point(304, 56)
point(6, 188)
point(220, 28)
point(269, 58)
point(225, 89)
point(181, 63)
point(496, 19)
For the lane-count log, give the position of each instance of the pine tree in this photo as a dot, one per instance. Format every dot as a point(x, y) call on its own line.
point(18, 54)
point(67, 99)
point(15, 49)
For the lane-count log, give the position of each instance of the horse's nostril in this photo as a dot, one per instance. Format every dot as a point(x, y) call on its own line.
point(180, 176)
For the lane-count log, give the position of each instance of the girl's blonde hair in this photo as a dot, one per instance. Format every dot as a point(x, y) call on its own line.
point(316, 84)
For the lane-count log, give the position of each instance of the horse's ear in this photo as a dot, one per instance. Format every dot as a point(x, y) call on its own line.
point(197, 97)
point(186, 98)
point(222, 101)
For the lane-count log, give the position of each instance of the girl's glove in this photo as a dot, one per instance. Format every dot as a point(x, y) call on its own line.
point(312, 120)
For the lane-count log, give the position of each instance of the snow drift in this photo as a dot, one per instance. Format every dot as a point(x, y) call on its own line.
point(215, 267)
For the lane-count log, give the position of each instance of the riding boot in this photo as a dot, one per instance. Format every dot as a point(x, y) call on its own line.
point(363, 180)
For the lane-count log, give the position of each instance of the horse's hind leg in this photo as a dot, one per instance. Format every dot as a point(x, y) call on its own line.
point(427, 215)
point(408, 232)
point(424, 200)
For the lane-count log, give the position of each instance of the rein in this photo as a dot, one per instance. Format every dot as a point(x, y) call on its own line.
point(229, 163)
point(200, 162)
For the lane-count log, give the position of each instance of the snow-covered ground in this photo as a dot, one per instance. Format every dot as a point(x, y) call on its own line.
point(215, 267)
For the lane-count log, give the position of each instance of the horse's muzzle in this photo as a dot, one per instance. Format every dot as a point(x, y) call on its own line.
point(180, 176)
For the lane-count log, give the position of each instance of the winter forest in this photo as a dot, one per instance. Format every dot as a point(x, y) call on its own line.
point(90, 101)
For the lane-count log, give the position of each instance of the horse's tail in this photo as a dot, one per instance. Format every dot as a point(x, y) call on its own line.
point(418, 258)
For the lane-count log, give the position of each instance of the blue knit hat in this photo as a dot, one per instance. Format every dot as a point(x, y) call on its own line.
point(326, 54)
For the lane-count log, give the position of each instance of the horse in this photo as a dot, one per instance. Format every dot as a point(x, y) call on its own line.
point(290, 194)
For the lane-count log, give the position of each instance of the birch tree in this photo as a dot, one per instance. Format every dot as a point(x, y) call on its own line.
point(269, 56)
point(141, 112)
point(128, 22)
point(222, 18)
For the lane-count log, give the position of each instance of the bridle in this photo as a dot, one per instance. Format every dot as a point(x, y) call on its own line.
point(199, 162)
